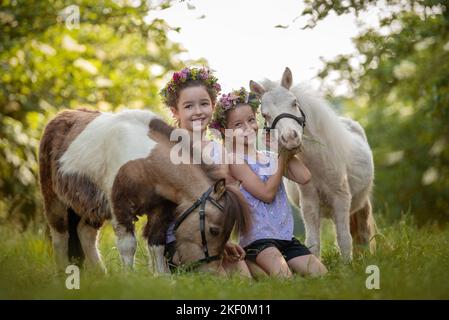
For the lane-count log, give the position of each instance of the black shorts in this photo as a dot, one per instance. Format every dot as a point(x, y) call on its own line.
point(289, 248)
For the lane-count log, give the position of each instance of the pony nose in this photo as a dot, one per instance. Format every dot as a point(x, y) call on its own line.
point(283, 139)
point(293, 134)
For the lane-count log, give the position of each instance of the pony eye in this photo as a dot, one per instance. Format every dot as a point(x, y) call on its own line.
point(214, 231)
point(295, 103)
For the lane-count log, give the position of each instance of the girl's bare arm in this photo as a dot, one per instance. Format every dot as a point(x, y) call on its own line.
point(297, 171)
point(265, 191)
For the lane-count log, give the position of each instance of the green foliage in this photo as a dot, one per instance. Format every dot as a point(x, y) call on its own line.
point(399, 84)
point(112, 59)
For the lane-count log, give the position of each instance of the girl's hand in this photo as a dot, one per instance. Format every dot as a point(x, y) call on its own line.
point(283, 160)
point(233, 252)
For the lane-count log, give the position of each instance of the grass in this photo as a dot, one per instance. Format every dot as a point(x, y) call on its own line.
point(413, 264)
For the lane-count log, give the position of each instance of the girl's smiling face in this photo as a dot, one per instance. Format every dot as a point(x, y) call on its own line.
point(242, 120)
point(194, 108)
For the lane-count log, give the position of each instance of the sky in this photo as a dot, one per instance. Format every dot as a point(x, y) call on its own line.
point(240, 42)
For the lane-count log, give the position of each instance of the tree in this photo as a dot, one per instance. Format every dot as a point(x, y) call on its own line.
point(399, 84)
point(114, 57)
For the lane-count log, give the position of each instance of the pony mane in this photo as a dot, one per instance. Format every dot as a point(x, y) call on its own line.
point(324, 126)
point(325, 134)
point(162, 127)
point(269, 84)
point(239, 215)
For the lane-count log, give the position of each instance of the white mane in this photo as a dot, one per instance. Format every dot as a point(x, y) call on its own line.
point(325, 134)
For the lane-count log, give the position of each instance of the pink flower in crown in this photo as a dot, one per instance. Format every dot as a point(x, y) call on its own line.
point(184, 73)
point(215, 125)
point(217, 87)
point(176, 76)
point(224, 101)
point(204, 74)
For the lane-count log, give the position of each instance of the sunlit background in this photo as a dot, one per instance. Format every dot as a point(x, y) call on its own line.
point(383, 63)
point(245, 40)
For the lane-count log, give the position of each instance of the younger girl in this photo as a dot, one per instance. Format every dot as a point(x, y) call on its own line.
point(270, 244)
point(191, 95)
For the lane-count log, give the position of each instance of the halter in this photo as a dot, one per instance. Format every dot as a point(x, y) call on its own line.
point(300, 120)
point(201, 202)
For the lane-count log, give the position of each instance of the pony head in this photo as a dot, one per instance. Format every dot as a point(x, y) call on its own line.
point(225, 211)
point(277, 100)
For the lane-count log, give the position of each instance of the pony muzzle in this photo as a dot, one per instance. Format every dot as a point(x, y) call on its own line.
point(290, 140)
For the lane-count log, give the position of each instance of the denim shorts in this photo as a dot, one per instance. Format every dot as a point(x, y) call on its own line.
point(289, 248)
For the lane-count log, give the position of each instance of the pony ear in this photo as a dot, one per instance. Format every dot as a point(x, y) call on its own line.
point(256, 88)
point(287, 79)
point(219, 188)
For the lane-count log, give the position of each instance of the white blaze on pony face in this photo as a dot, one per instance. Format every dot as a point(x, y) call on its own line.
point(280, 100)
point(106, 144)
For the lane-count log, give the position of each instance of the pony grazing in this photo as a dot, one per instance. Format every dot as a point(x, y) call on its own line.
point(98, 166)
point(337, 153)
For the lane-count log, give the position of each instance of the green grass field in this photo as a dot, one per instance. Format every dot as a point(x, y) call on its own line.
point(413, 263)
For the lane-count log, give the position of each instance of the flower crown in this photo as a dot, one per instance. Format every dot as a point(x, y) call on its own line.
point(189, 74)
point(230, 101)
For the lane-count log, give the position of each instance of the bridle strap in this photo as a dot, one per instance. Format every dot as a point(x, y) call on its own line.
point(215, 203)
point(300, 120)
point(202, 213)
point(186, 213)
point(201, 202)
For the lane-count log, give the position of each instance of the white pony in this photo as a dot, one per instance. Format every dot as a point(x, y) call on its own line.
point(337, 153)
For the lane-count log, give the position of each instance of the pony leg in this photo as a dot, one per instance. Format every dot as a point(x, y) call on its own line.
point(363, 227)
point(60, 242)
point(341, 207)
point(156, 246)
point(57, 217)
point(310, 207)
point(155, 233)
point(88, 236)
point(126, 242)
point(157, 262)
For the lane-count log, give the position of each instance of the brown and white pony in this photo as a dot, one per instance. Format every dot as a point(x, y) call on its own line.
point(98, 166)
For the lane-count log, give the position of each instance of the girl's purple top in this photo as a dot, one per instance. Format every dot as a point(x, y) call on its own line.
point(272, 220)
point(216, 155)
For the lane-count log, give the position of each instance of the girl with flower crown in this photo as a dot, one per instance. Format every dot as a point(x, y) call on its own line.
point(270, 245)
point(191, 95)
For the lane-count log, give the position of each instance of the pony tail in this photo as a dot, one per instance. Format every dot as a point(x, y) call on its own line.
point(237, 211)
